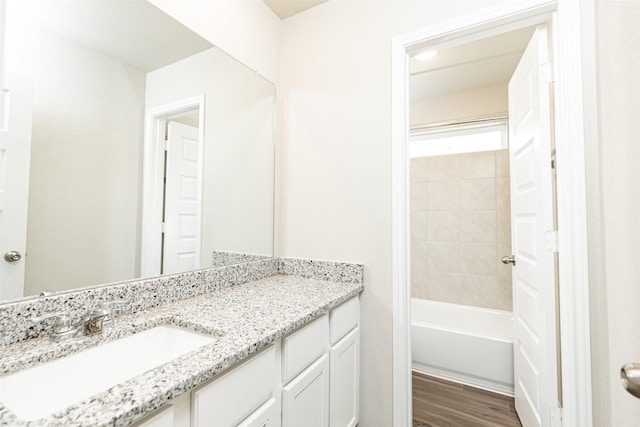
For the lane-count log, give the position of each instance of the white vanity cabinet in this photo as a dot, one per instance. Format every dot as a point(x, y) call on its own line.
point(325, 393)
point(308, 378)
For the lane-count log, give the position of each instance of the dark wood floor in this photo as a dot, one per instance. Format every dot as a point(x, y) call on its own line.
point(440, 403)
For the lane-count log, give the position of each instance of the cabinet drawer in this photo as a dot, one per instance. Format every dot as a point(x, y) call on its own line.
point(344, 318)
point(303, 347)
point(231, 398)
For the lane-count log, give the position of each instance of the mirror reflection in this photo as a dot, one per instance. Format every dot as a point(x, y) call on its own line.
point(137, 147)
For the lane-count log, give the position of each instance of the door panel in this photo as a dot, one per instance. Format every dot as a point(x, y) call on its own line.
point(534, 284)
point(182, 201)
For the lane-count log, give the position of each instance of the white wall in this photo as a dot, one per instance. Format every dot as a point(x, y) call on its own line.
point(237, 211)
point(482, 101)
point(618, 59)
point(85, 161)
point(247, 30)
point(335, 99)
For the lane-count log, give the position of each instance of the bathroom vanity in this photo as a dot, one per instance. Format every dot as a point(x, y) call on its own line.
point(309, 377)
point(284, 350)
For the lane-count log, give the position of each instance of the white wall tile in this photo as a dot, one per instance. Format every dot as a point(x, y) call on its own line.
point(478, 258)
point(503, 194)
point(443, 256)
point(418, 225)
point(503, 227)
point(418, 169)
point(478, 226)
point(458, 231)
point(418, 201)
point(443, 195)
point(502, 163)
point(443, 226)
point(478, 165)
point(478, 194)
point(442, 168)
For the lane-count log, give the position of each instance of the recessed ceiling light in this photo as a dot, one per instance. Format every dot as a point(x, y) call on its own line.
point(426, 55)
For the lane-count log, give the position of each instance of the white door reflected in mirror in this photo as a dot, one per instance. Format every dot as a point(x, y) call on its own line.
point(15, 154)
point(182, 199)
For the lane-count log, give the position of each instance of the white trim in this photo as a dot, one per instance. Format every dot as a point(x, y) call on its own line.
point(153, 173)
point(402, 405)
point(567, 16)
point(572, 213)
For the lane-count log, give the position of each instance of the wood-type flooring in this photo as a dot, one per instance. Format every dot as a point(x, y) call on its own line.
point(440, 403)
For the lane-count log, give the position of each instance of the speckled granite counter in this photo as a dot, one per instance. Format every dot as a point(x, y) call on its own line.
point(244, 319)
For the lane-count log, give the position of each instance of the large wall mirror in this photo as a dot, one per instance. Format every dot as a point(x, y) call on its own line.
point(148, 150)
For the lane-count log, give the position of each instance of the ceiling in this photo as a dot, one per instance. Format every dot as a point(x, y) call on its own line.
point(134, 31)
point(287, 8)
point(463, 67)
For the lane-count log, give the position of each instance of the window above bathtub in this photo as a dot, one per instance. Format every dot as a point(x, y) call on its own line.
point(457, 138)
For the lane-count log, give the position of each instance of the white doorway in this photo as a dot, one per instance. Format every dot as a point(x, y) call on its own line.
point(571, 210)
point(16, 96)
point(172, 192)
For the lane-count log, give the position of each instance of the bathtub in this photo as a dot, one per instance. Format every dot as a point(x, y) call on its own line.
point(469, 345)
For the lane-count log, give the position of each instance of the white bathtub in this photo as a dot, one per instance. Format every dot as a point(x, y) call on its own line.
point(465, 344)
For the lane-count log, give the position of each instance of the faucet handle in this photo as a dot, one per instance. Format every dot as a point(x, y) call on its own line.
point(62, 327)
point(104, 311)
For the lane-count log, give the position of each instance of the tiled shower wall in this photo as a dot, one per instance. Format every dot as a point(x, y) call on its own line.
point(460, 228)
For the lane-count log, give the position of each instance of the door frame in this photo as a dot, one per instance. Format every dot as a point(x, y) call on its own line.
point(573, 79)
point(152, 191)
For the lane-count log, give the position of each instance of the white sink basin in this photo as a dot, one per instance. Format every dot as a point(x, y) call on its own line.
point(45, 389)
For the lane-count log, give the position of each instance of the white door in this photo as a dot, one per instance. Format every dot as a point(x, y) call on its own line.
point(181, 249)
point(15, 154)
point(534, 287)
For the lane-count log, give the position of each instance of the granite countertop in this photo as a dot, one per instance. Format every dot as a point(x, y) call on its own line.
point(243, 319)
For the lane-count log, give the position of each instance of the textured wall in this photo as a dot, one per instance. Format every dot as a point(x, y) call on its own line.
point(85, 161)
point(618, 80)
point(335, 156)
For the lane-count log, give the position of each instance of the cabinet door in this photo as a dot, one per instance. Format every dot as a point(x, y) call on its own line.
point(231, 398)
point(305, 400)
point(265, 416)
point(345, 378)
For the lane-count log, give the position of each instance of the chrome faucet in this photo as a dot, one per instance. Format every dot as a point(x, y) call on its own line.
point(63, 329)
point(94, 322)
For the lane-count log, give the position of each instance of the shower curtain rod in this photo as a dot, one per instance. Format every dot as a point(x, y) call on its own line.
point(431, 127)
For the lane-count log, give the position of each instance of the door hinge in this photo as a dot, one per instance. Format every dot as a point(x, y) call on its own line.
point(166, 145)
point(164, 227)
point(551, 241)
point(546, 72)
point(555, 417)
